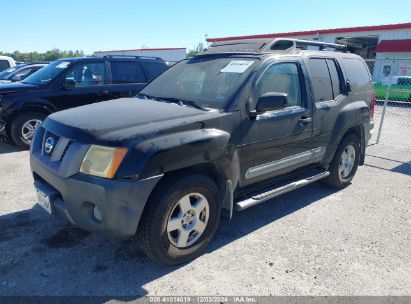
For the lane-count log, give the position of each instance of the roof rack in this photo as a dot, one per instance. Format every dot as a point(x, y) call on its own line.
point(134, 57)
point(258, 46)
point(304, 44)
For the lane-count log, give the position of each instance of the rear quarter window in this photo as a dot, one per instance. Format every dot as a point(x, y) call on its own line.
point(357, 74)
point(152, 69)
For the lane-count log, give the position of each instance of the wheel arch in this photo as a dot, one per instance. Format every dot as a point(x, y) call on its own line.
point(358, 130)
point(27, 108)
point(209, 169)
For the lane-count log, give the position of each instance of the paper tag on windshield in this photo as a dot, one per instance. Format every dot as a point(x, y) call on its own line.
point(237, 66)
point(63, 65)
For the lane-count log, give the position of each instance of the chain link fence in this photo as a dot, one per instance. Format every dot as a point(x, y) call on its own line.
point(390, 145)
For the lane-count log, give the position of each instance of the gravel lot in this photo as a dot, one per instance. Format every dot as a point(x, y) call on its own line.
point(314, 241)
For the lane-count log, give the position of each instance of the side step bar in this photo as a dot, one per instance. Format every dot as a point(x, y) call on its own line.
point(265, 196)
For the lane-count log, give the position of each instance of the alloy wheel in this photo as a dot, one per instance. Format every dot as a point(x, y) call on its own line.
point(188, 220)
point(28, 129)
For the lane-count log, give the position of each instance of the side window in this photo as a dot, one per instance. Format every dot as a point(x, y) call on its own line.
point(4, 64)
point(357, 74)
point(88, 74)
point(24, 73)
point(153, 69)
point(335, 79)
point(281, 78)
point(126, 72)
point(320, 79)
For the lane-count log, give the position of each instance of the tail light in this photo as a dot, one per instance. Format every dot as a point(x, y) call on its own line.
point(372, 104)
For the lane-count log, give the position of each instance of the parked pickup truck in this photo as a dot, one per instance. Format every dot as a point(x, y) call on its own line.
point(234, 126)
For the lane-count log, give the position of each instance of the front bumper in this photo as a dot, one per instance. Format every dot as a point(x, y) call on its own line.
point(75, 195)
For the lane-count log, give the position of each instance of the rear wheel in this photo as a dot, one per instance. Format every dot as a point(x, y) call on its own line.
point(23, 128)
point(181, 219)
point(345, 162)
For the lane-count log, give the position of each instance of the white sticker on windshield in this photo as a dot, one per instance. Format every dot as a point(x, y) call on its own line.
point(237, 66)
point(63, 65)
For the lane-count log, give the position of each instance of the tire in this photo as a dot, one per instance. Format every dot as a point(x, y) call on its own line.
point(155, 233)
point(338, 179)
point(22, 137)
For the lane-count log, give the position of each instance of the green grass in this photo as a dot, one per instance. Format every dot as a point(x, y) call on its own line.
point(380, 91)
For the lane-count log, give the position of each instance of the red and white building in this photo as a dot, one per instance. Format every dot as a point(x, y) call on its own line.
point(169, 54)
point(382, 45)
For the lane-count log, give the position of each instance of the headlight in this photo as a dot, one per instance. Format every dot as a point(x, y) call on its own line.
point(102, 161)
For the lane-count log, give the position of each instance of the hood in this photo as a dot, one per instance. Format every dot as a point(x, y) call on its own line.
point(120, 119)
point(13, 87)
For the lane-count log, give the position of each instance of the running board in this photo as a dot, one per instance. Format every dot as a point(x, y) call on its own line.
point(265, 196)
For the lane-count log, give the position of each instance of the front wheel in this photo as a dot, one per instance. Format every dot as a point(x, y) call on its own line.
point(345, 162)
point(23, 128)
point(181, 219)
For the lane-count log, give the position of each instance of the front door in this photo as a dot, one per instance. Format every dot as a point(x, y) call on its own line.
point(90, 86)
point(279, 141)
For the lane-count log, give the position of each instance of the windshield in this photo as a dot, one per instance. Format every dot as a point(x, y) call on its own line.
point(208, 81)
point(44, 75)
point(6, 73)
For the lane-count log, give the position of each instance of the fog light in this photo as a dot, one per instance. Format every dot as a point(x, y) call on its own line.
point(98, 215)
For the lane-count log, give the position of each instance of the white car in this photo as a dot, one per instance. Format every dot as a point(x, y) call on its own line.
point(6, 62)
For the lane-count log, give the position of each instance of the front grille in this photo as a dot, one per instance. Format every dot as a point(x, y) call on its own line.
point(54, 147)
point(64, 158)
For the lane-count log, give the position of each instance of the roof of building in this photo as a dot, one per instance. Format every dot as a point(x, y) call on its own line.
point(394, 46)
point(142, 50)
point(385, 27)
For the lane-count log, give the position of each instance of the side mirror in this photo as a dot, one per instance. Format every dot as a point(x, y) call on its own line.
point(271, 101)
point(15, 78)
point(69, 84)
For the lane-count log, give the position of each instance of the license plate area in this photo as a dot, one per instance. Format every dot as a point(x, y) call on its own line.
point(44, 201)
point(46, 195)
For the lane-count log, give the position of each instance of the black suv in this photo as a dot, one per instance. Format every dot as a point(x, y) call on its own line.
point(68, 83)
point(228, 129)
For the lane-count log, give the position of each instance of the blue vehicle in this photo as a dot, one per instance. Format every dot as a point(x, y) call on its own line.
point(20, 72)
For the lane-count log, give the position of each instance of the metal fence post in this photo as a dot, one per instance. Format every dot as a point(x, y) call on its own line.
point(387, 94)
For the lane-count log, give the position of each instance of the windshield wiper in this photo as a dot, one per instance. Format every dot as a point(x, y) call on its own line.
point(183, 102)
point(146, 96)
point(178, 101)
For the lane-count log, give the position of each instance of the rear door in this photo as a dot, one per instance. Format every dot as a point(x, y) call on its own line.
point(127, 79)
point(330, 95)
point(278, 142)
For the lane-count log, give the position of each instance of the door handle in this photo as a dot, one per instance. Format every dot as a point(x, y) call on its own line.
point(102, 93)
point(305, 120)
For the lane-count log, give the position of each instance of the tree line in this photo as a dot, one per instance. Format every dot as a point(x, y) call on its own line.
point(195, 50)
point(51, 55)
point(55, 54)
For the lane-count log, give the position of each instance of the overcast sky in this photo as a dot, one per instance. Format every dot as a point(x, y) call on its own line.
point(40, 25)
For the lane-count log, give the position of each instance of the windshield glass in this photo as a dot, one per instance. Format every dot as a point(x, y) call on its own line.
point(44, 75)
point(6, 73)
point(208, 81)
